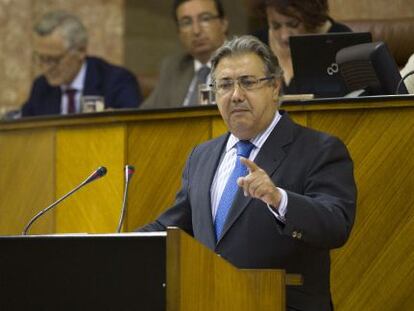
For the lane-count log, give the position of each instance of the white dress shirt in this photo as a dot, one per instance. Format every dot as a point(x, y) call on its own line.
point(78, 85)
point(228, 162)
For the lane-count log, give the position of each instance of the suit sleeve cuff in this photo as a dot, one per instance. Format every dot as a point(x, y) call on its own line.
point(280, 211)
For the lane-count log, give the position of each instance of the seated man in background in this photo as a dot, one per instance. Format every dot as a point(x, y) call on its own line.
point(270, 193)
point(60, 43)
point(409, 81)
point(295, 17)
point(202, 28)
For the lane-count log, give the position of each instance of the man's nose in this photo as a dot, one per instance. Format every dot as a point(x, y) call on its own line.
point(238, 94)
point(196, 27)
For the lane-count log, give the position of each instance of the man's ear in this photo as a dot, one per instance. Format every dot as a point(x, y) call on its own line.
point(225, 25)
point(276, 89)
point(81, 52)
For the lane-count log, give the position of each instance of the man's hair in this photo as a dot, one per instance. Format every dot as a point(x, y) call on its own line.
point(246, 45)
point(69, 27)
point(219, 7)
point(312, 13)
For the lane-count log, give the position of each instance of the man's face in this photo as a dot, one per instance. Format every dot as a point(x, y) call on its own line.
point(281, 27)
point(246, 112)
point(56, 62)
point(200, 29)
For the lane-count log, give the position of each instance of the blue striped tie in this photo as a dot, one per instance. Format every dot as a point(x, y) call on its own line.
point(244, 147)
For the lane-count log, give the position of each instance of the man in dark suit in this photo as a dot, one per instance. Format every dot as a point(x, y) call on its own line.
point(60, 43)
point(297, 200)
point(202, 28)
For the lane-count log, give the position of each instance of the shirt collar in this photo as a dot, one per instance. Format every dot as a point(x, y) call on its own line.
point(258, 140)
point(198, 65)
point(79, 80)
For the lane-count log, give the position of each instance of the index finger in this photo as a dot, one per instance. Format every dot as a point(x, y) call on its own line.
point(250, 164)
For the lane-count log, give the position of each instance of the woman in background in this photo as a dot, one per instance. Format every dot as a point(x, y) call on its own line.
point(287, 18)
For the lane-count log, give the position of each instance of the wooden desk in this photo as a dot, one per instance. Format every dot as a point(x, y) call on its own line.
point(42, 159)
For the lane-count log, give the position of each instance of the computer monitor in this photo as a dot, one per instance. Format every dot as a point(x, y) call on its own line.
point(314, 66)
point(369, 69)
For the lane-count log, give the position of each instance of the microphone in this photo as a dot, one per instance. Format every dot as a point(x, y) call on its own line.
point(397, 91)
point(129, 171)
point(98, 173)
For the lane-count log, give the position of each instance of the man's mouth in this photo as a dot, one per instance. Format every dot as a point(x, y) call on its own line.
point(239, 110)
point(199, 42)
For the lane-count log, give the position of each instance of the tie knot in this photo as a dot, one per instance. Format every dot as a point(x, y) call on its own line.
point(244, 147)
point(202, 74)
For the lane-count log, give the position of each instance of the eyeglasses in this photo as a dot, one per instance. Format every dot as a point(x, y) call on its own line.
point(204, 20)
point(50, 60)
point(247, 83)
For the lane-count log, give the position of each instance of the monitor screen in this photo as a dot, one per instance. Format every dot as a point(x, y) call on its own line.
point(369, 69)
point(314, 65)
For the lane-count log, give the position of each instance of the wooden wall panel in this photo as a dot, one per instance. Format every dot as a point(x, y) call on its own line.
point(26, 180)
point(158, 150)
point(218, 127)
point(300, 117)
point(15, 53)
point(80, 150)
point(371, 9)
point(374, 268)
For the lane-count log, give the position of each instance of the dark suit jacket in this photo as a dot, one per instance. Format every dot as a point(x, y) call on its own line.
point(118, 86)
point(176, 74)
point(316, 171)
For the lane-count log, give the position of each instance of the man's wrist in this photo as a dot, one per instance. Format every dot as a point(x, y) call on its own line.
point(276, 200)
point(280, 209)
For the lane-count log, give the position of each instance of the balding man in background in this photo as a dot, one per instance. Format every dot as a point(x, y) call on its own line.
point(60, 43)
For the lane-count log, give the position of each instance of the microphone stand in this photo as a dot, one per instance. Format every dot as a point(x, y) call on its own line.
point(101, 171)
point(129, 171)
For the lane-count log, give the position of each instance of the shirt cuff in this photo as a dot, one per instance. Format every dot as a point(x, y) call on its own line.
point(280, 211)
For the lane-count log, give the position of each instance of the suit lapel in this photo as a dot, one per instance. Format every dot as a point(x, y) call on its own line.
point(93, 79)
point(53, 104)
point(269, 159)
point(209, 169)
point(185, 76)
point(273, 151)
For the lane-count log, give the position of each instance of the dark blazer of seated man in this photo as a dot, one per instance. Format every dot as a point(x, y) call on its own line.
point(296, 199)
point(60, 42)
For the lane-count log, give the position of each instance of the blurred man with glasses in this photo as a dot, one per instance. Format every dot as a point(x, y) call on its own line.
point(60, 43)
point(202, 28)
point(270, 193)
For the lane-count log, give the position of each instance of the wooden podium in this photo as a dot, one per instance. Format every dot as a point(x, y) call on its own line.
point(202, 281)
point(140, 271)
